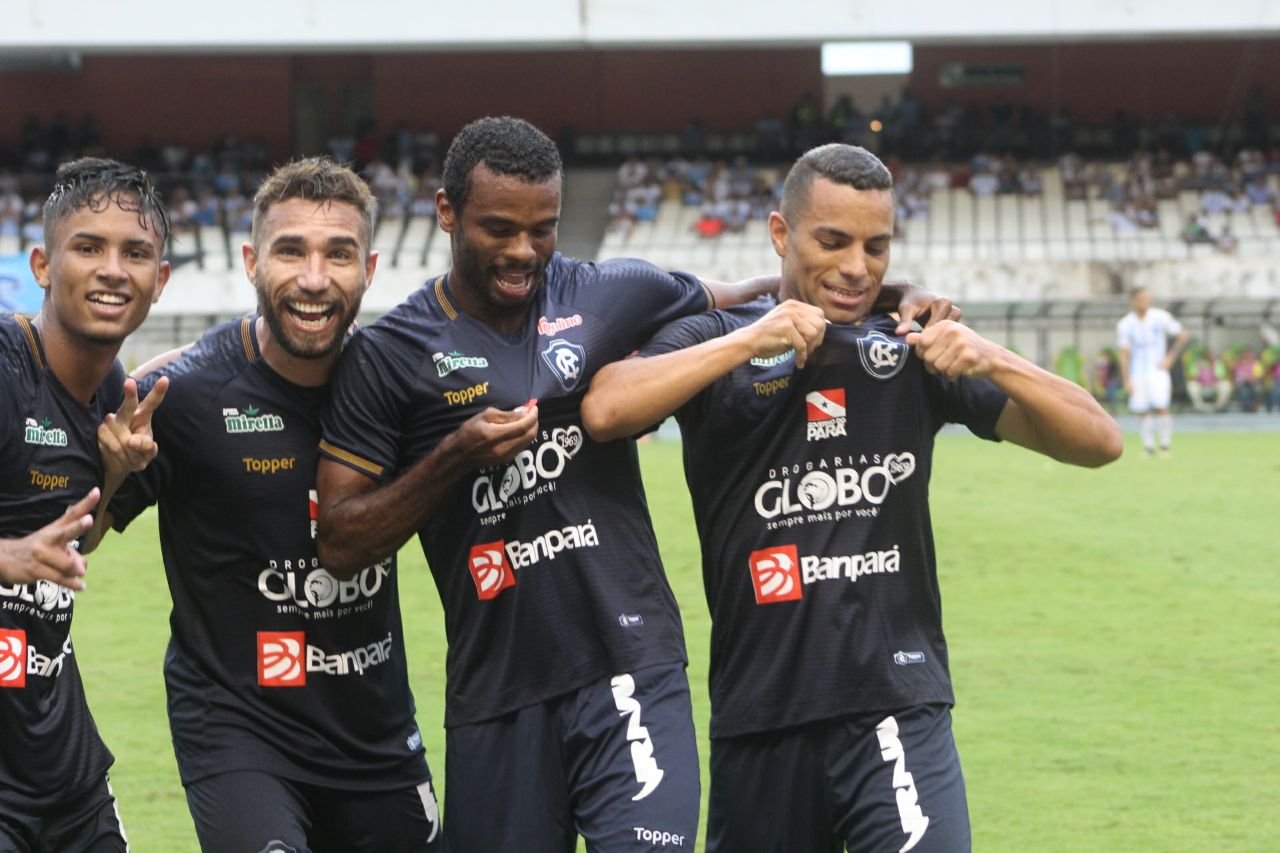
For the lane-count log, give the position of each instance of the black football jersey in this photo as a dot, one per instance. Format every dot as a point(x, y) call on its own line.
point(49, 460)
point(810, 489)
point(547, 567)
point(273, 664)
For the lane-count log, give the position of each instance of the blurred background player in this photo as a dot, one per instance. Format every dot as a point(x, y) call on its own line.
point(1142, 337)
point(456, 416)
point(808, 440)
point(288, 693)
point(101, 266)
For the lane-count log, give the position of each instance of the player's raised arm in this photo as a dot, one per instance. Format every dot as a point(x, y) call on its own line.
point(628, 396)
point(362, 521)
point(1045, 413)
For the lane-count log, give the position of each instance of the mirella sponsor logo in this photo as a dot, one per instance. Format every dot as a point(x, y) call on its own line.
point(447, 363)
point(44, 433)
point(250, 420)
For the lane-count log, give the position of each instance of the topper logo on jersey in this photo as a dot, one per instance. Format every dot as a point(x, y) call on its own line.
point(555, 327)
point(648, 774)
point(44, 433)
point(914, 821)
point(490, 569)
point(13, 658)
point(841, 486)
point(825, 413)
point(542, 463)
point(279, 582)
point(48, 482)
point(775, 574)
point(446, 364)
point(251, 420)
point(43, 595)
point(285, 658)
point(567, 360)
point(882, 357)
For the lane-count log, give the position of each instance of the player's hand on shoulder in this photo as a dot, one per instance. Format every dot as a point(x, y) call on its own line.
point(125, 440)
point(47, 553)
point(924, 307)
point(955, 350)
point(789, 325)
point(497, 435)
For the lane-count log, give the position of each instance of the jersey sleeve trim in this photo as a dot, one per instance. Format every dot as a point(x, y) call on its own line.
point(349, 458)
point(246, 339)
point(25, 325)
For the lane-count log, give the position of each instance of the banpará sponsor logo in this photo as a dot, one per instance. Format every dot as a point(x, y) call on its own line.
point(49, 482)
point(447, 363)
point(780, 573)
point(466, 395)
point(250, 420)
point(771, 387)
point(304, 583)
point(773, 360)
point(42, 595)
point(648, 773)
point(914, 821)
point(490, 570)
point(825, 414)
point(20, 659)
point(523, 554)
point(267, 465)
point(285, 658)
point(499, 487)
point(813, 488)
point(555, 327)
point(44, 433)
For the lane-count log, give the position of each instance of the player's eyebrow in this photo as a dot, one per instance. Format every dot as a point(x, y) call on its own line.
point(497, 220)
point(294, 239)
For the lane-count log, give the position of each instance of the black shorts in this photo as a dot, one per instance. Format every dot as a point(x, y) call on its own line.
point(87, 821)
point(615, 761)
point(877, 782)
point(246, 811)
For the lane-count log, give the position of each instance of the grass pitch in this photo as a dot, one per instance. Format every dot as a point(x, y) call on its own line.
point(1114, 634)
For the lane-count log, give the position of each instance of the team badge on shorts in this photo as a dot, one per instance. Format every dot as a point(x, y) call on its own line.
point(566, 360)
point(882, 357)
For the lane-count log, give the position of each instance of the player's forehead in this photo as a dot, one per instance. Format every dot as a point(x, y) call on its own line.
point(311, 220)
point(511, 196)
point(114, 219)
point(834, 206)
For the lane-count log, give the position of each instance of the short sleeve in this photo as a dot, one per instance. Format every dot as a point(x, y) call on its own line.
point(976, 403)
point(363, 423)
point(682, 334)
point(644, 298)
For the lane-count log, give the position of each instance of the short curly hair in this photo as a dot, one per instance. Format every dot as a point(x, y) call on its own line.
point(318, 179)
point(508, 146)
point(96, 183)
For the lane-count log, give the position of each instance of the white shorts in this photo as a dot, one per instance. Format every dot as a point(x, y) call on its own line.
point(1151, 390)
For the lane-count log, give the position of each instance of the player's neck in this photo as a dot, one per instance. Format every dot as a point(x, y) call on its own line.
point(307, 372)
point(81, 365)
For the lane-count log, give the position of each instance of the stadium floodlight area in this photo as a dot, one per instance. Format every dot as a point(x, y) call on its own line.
point(866, 58)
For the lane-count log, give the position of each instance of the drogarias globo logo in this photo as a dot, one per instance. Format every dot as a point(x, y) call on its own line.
point(882, 357)
point(567, 360)
point(250, 420)
point(40, 597)
point(531, 473)
point(44, 433)
point(794, 489)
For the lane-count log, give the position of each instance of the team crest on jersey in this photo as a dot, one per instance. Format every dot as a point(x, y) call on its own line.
point(44, 433)
point(882, 356)
point(567, 360)
point(825, 413)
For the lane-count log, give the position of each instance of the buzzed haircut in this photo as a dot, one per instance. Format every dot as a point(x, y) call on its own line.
point(97, 183)
point(318, 179)
point(508, 146)
point(841, 164)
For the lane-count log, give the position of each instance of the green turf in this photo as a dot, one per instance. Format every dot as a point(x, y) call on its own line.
point(1115, 641)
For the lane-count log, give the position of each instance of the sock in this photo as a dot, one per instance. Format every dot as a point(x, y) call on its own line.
point(1148, 432)
point(1166, 430)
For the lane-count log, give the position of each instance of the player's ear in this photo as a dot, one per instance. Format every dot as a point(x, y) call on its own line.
point(162, 278)
point(370, 266)
point(39, 261)
point(445, 214)
point(250, 256)
point(778, 233)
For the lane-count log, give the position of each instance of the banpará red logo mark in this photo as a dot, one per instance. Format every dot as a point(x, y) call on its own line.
point(13, 658)
point(775, 574)
point(282, 659)
point(490, 569)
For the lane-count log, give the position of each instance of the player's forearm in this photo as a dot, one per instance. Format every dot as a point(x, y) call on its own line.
point(362, 528)
point(636, 393)
point(741, 292)
point(1056, 417)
